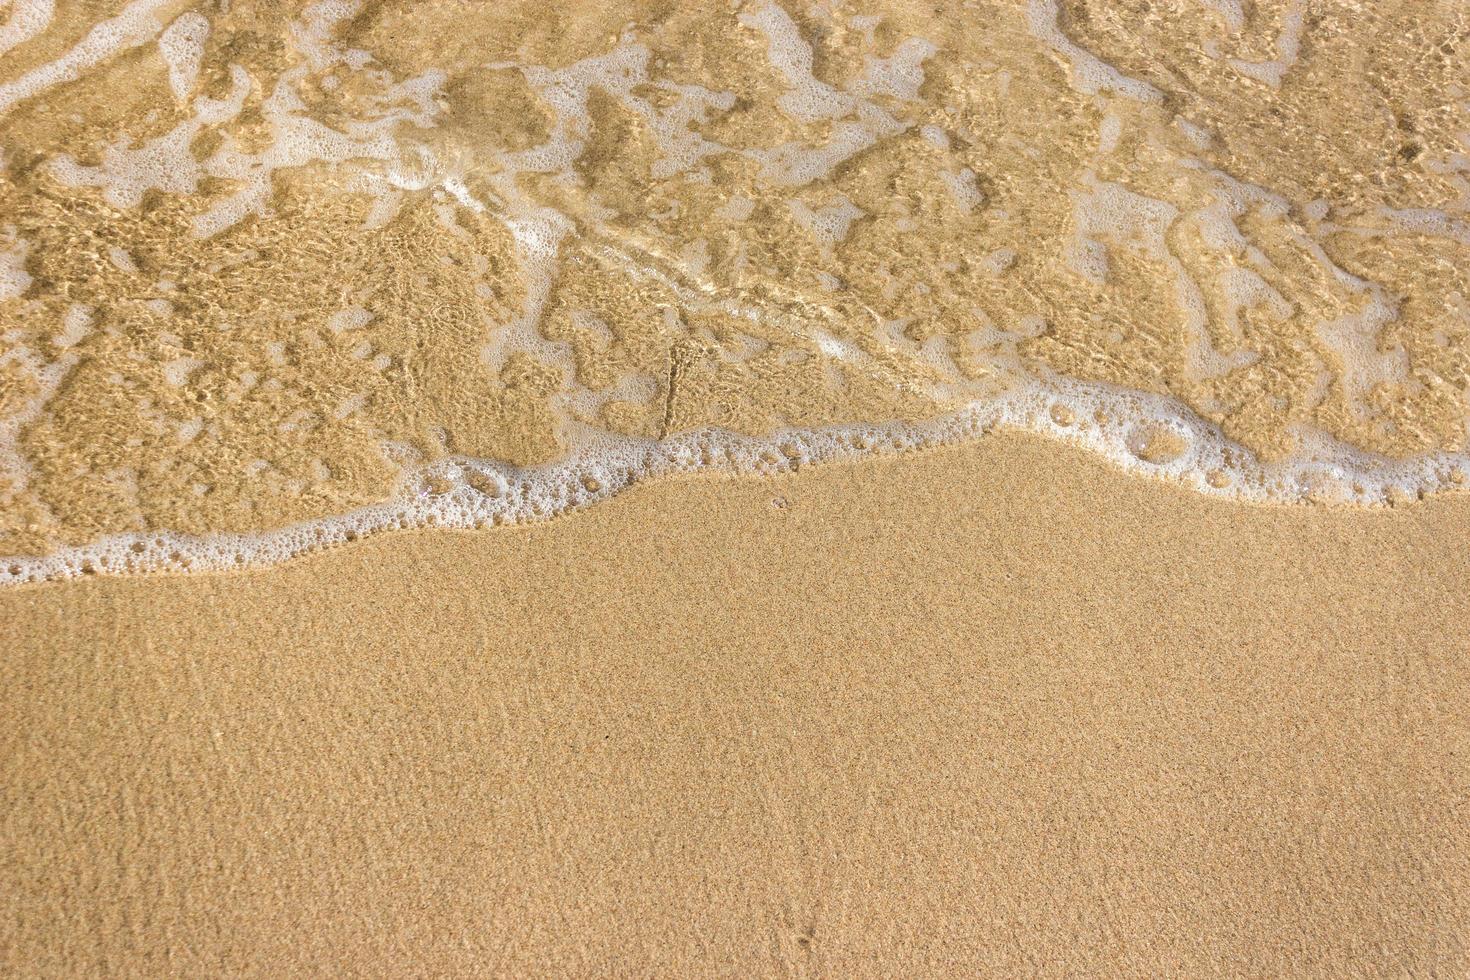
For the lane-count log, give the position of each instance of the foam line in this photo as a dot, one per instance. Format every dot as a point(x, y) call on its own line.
point(28, 18)
point(1120, 425)
point(138, 24)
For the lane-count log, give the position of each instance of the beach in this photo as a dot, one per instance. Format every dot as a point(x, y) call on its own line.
point(753, 488)
point(939, 714)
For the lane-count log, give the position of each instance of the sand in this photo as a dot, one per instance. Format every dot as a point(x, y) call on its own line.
point(998, 709)
point(276, 276)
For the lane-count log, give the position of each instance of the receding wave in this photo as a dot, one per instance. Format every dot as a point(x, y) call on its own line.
point(276, 277)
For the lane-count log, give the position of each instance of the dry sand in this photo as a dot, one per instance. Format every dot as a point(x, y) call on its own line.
point(997, 709)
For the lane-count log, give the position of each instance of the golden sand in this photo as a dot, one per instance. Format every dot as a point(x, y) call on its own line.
point(935, 716)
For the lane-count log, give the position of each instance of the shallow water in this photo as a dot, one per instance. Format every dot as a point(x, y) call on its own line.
point(274, 276)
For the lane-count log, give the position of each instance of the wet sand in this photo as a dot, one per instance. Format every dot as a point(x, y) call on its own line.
point(998, 708)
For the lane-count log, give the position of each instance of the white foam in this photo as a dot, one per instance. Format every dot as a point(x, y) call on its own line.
point(350, 405)
point(619, 73)
point(856, 122)
point(538, 231)
point(182, 47)
point(623, 73)
point(963, 189)
point(899, 76)
point(74, 326)
point(935, 136)
point(1126, 427)
point(1432, 222)
point(1353, 340)
point(1232, 12)
point(796, 164)
point(461, 492)
point(137, 24)
point(46, 376)
point(189, 429)
point(176, 372)
point(297, 140)
point(1109, 134)
point(1198, 136)
point(998, 261)
point(28, 18)
point(165, 163)
point(829, 223)
point(313, 32)
point(14, 280)
point(1089, 73)
point(1109, 212)
point(122, 260)
point(737, 208)
point(351, 318)
point(1245, 290)
point(806, 98)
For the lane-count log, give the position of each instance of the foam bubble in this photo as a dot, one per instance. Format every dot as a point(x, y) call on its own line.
point(1089, 73)
point(137, 24)
point(829, 223)
point(14, 280)
point(74, 326)
point(1140, 432)
point(182, 47)
point(28, 18)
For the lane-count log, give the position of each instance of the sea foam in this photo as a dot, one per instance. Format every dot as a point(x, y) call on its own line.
point(1125, 427)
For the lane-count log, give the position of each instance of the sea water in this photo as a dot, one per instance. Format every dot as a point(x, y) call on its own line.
point(278, 276)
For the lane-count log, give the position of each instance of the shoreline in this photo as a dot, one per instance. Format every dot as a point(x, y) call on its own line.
point(475, 493)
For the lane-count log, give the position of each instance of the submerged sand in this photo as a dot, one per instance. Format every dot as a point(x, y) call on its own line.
point(997, 709)
point(268, 263)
